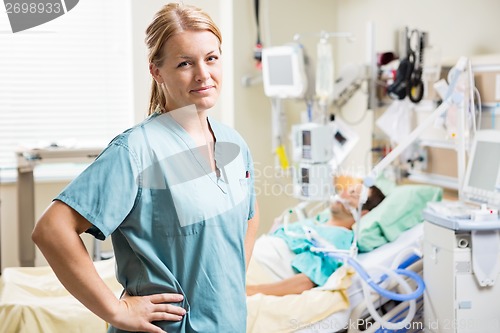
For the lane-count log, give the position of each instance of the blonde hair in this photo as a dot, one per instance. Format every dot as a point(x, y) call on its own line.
point(172, 19)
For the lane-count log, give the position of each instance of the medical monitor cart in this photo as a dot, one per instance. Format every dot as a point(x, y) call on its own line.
point(462, 248)
point(461, 274)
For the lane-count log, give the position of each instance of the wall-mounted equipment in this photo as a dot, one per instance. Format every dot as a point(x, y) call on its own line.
point(283, 71)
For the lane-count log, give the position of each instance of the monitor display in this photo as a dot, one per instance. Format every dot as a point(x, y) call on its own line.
point(340, 138)
point(482, 179)
point(283, 71)
point(280, 70)
point(305, 175)
point(306, 138)
point(485, 166)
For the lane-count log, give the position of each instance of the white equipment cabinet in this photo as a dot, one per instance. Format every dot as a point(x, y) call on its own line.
point(461, 273)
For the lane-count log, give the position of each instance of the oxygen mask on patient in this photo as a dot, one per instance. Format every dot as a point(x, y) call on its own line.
point(337, 198)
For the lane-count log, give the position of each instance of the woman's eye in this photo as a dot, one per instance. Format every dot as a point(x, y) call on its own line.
point(212, 58)
point(183, 64)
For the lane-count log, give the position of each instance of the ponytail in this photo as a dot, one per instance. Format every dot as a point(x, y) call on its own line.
point(156, 99)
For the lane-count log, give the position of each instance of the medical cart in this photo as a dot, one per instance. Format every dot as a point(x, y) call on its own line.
point(461, 270)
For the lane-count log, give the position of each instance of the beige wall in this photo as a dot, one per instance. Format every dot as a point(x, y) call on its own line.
point(458, 27)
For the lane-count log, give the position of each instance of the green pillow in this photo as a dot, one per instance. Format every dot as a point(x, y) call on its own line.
point(400, 211)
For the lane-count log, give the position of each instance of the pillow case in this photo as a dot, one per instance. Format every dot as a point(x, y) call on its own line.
point(385, 183)
point(399, 211)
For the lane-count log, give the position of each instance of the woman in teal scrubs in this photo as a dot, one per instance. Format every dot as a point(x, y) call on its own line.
point(175, 193)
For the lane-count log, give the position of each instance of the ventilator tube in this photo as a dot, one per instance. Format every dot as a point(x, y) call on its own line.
point(368, 282)
point(385, 293)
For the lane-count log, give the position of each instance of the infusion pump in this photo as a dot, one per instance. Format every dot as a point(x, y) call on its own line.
point(323, 143)
point(312, 150)
point(312, 181)
point(318, 150)
point(312, 143)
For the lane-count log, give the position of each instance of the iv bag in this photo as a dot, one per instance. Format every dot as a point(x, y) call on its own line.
point(324, 71)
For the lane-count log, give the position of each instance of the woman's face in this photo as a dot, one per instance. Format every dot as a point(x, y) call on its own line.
point(191, 72)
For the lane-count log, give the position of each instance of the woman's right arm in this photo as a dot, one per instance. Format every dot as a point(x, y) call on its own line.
point(57, 234)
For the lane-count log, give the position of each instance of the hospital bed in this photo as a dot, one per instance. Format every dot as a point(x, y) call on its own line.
point(342, 307)
point(32, 300)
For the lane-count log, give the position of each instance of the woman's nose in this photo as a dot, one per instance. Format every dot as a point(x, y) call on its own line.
point(202, 73)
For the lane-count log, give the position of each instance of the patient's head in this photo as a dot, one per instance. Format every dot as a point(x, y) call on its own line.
point(341, 210)
point(375, 196)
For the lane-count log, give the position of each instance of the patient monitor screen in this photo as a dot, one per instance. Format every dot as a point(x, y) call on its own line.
point(280, 70)
point(305, 175)
point(306, 138)
point(485, 172)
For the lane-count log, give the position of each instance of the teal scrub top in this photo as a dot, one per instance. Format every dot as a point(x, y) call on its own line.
point(316, 266)
point(176, 226)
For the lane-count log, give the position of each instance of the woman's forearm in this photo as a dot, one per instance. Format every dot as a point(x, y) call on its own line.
point(57, 236)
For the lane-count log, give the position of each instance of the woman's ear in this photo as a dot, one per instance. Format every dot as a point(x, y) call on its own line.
point(155, 72)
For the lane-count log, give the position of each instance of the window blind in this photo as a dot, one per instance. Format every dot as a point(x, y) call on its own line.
point(68, 81)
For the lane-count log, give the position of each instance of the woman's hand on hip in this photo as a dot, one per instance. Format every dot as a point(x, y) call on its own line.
point(137, 313)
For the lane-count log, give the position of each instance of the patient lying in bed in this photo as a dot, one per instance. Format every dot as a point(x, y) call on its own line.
point(304, 269)
point(392, 226)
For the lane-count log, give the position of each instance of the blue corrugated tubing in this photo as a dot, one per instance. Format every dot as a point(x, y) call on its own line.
point(384, 292)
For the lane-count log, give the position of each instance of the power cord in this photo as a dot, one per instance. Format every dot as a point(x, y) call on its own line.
point(257, 54)
point(408, 81)
point(415, 85)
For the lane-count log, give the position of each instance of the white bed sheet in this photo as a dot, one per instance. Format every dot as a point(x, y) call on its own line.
point(333, 323)
point(382, 256)
point(32, 300)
